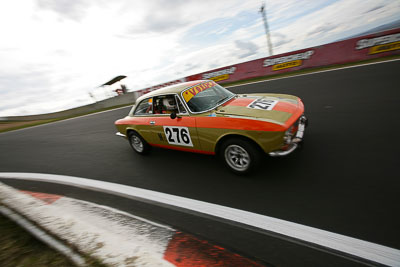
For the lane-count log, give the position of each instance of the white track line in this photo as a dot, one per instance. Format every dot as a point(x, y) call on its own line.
point(87, 115)
point(363, 249)
point(43, 236)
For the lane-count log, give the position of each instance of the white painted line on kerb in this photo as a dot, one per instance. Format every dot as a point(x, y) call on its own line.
point(43, 236)
point(363, 249)
point(113, 237)
point(315, 72)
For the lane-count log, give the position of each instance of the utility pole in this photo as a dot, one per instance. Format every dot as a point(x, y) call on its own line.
point(264, 15)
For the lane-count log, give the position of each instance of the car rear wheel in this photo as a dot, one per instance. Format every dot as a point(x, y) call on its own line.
point(239, 155)
point(138, 144)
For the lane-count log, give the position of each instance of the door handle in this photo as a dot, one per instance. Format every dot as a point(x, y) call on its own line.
point(152, 122)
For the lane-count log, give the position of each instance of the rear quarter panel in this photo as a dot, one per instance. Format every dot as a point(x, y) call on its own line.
point(138, 124)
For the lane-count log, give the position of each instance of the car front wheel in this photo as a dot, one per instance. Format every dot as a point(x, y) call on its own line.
point(240, 156)
point(138, 144)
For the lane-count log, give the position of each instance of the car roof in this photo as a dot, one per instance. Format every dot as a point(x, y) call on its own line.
point(172, 89)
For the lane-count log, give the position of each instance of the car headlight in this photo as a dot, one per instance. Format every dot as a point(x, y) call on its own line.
point(288, 135)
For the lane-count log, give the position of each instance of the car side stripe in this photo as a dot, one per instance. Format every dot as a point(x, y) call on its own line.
point(238, 124)
point(166, 120)
point(133, 120)
point(209, 122)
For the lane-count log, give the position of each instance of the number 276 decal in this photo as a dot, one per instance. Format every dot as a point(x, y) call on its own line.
point(178, 135)
point(265, 104)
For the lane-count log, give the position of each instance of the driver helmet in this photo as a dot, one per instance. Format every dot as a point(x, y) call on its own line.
point(169, 103)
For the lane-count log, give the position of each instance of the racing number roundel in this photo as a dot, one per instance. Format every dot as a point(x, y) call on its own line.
point(265, 104)
point(178, 135)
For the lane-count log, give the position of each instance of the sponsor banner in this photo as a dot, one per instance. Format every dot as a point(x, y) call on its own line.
point(380, 44)
point(352, 50)
point(384, 48)
point(287, 65)
point(219, 75)
point(220, 78)
point(290, 61)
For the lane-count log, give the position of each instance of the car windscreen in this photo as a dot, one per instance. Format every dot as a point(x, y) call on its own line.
point(205, 96)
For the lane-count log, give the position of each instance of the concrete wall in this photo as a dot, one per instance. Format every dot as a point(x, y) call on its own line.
point(126, 99)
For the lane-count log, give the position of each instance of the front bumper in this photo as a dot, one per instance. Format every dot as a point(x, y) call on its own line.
point(303, 122)
point(120, 134)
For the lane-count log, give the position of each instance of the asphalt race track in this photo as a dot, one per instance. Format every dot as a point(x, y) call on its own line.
point(345, 179)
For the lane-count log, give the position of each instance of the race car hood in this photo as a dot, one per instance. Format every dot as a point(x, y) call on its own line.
point(275, 108)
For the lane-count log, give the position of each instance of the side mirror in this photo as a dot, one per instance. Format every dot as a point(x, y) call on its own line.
point(173, 115)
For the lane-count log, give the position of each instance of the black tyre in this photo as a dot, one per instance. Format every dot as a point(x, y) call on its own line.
point(240, 156)
point(138, 144)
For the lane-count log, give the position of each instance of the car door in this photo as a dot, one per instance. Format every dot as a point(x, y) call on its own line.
point(179, 133)
point(141, 117)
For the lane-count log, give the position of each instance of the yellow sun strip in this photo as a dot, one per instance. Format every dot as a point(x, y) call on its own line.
point(189, 93)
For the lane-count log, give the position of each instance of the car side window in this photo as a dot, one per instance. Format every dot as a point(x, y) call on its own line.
point(165, 104)
point(145, 107)
point(182, 109)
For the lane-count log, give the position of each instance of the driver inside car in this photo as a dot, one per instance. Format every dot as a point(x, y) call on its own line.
point(169, 105)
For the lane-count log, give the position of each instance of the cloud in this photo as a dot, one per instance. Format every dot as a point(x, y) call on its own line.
point(189, 67)
point(246, 48)
point(322, 29)
point(158, 22)
point(279, 39)
point(58, 50)
point(219, 28)
point(161, 16)
point(332, 21)
point(22, 82)
point(374, 8)
point(30, 90)
point(167, 16)
point(40, 88)
point(74, 10)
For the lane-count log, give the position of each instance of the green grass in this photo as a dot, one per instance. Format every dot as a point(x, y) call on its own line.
point(19, 248)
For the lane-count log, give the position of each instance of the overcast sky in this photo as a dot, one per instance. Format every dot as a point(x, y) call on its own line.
point(54, 52)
